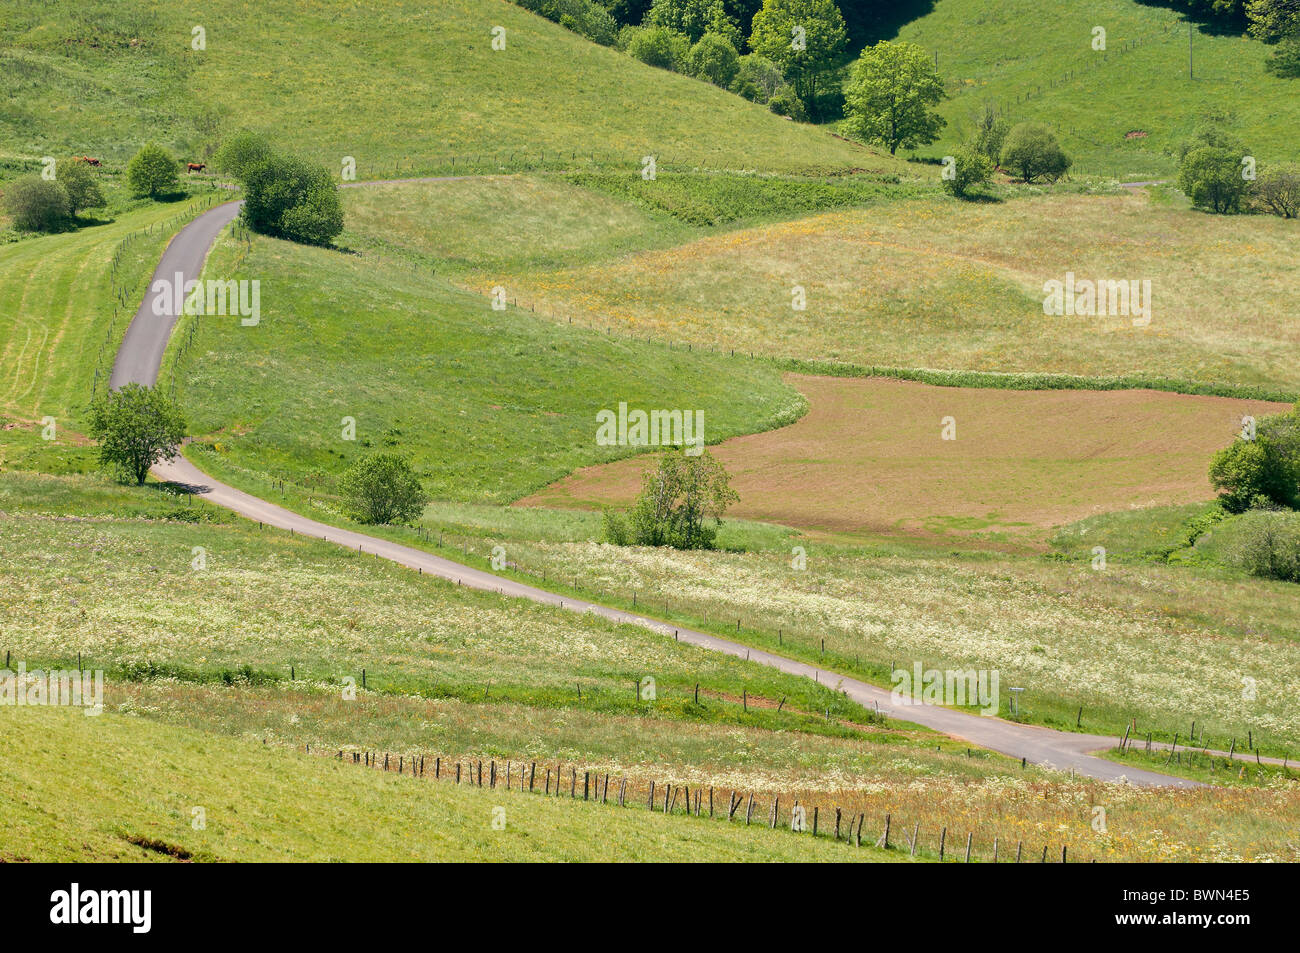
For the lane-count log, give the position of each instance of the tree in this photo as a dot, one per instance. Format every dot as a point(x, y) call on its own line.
point(890, 93)
point(677, 502)
point(81, 184)
point(714, 59)
point(657, 46)
point(1031, 150)
point(1212, 178)
point(693, 19)
point(244, 150)
point(759, 78)
point(1278, 190)
point(383, 488)
point(152, 171)
point(289, 198)
point(136, 426)
point(971, 167)
point(1274, 20)
point(37, 205)
point(1284, 61)
point(1263, 470)
point(804, 38)
point(990, 132)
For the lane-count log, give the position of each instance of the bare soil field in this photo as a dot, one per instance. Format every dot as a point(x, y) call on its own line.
point(870, 456)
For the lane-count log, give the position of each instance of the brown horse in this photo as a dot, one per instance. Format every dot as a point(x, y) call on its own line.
point(195, 166)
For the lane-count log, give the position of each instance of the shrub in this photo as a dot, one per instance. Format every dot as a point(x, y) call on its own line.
point(971, 167)
point(715, 59)
point(289, 198)
point(677, 502)
point(136, 426)
point(658, 46)
point(1211, 176)
point(693, 19)
point(787, 103)
point(1262, 471)
point(760, 74)
point(1268, 545)
point(37, 205)
point(241, 153)
point(1031, 151)
point(1284, 61)
point(152, 171)
point(990, 132)
point(584, 17)
point(383, 488)
point(1278, 190)
point(81, 184)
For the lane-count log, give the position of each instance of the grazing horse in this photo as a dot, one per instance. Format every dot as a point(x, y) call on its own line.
point(195, 166)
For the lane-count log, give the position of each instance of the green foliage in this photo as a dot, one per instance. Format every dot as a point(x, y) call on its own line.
point(804, 38)
point(1264, 470)
point(786, 102)
point(656, 46)
point(82, 185)
point(37, 205)
point(1284, 61)
point(1031, 151)
point(693, 18)
point(1278, 190)
point(971, 167)
point(290, 198)
point(1212, 178)
point(1268, 545)
point(890, 94)
point(1273, 20)
point(990, 132)
point(715, 59)
point(584, 17)
point(136, 426)
point(758, 79)
point(240, 153)
point(678, 502)
point(153, 171)
point(383, 488)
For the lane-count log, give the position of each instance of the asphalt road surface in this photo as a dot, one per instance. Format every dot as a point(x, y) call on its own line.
point(140, 358)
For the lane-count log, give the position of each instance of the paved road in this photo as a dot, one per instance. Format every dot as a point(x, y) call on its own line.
point(141, 356)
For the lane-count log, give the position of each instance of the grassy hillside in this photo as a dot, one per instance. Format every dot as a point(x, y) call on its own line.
point(491, 404)
point(1120, 112)
point(933, 282)
point(404, 82)
point(135, 801)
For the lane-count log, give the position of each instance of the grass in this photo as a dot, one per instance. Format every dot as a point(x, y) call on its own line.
point(328, 81)
point(491, 405)
point(1038, 64)
point(875, 451)
point(136, 801)
point(65, 302)
point(934, 283)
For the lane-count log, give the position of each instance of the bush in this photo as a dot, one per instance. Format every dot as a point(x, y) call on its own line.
point(1031, 151)
point(1284, 61)
point(715, 59)
point(136, 427)
point(1263, 471)
point(990, 132)
point(1269, 545)
point(37, 205)
point(658, 46)
point(81, 184)
point(677, 502)
point(289, 198)
point(693, 18)
point(971, 167)
point(1211, 176)
point(584, 17)
point(383, 488)
point(761, 75)
point(241, 153)
point(785, 102)
point(1278, 190)
point(152, 172)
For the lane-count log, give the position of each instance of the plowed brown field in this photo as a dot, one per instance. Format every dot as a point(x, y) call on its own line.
point(869, 457)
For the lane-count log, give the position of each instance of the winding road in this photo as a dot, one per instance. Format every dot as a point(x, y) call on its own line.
point(140, 358)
